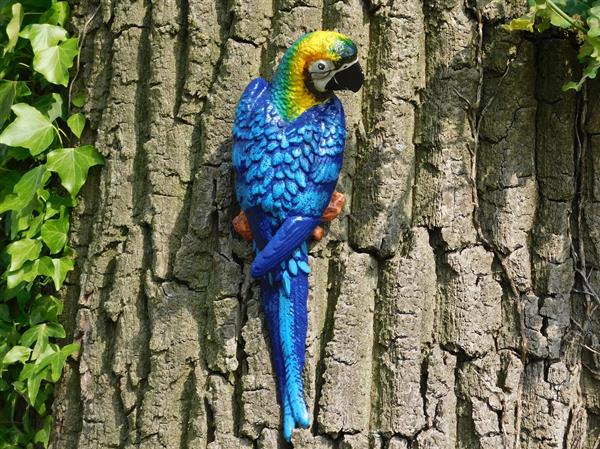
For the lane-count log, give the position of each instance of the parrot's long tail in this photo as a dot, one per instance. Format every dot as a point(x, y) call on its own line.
point(284, 293)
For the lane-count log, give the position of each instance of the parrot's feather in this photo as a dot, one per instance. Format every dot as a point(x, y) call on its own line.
point(288, 237)
point(288, 303)
point(287, 324)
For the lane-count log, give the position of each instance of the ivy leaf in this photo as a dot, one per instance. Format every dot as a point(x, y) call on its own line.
point(26, 273)
point(13, 27)
point(57, 204)
point(590, 71)
point(24, 191)
point(76, 124)
point(16, 354)
point(39, 334)
point(8, 92)
point(31, 183)
point(33, 387)
point(57, 14)
point(54, 234)
point(45, 308)
point(35, 224)
point(43, 35)
point(43, 435)
point(46, 391)
point(54, 62)
point(73, 164)
point(4, 313)
point(31, 129)
point(58, 359)
point(559, 21)
point(8, 180)
point(593, 21)
point(521, 24)
point(78, 99)
point(50, 105)
point(22, 219)
point(56, 269)
point(21, 251)
point(23, 89)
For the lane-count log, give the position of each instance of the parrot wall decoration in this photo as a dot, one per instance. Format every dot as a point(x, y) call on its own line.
point(288, 144)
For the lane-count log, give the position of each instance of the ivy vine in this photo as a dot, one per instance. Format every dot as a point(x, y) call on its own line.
point(42, 169)
point(579, 16)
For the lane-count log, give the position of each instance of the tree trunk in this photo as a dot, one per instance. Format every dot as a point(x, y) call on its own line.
point(452, 305)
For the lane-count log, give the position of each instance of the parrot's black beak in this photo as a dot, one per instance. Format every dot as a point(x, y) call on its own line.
point(351, 78)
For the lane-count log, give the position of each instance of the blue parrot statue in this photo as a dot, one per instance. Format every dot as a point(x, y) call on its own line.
point(288, 145)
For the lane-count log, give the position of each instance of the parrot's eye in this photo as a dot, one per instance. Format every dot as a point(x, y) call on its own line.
point(321, 67)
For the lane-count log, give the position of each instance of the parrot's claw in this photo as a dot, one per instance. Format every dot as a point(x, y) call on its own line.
point(336, 204)
point(318, 233)
point(242, 227)
point(334, 209)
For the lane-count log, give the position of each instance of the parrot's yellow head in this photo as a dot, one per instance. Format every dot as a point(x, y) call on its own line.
point(312, 68)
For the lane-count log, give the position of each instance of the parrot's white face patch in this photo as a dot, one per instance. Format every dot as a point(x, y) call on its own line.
point(322, 70)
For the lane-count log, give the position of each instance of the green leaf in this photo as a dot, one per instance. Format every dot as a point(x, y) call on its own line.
point(78, 99)
point(21, 251)
point(56, 269)
point(33, 387)
point(521, 24)
point(22, 89)
point(46, 391)
point(57, 14)
point(4, 313)
point(21, 219)
point(590, 72)
point(40, 334)
point(26, 273)
point(8, 91)
point(593, 21)
point(58, 360)
point(54, 234)
point(42, 436)
point(76, 124)
point(43, 35)
point(51, 105)
point(559, 21)
point(27, 371)
point(16, 354)
point(45, 308)
point(73, 164)
point(54, 62)
point(13, 27)
point(44, 358)
point(31, 129)
point(26, 189)
point(35, 224)
point(8, 179)
point(57, 204)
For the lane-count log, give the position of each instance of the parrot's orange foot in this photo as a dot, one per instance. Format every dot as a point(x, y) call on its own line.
point(318, 233)
point(336, 204)
point(334, 208)
point(242, 227)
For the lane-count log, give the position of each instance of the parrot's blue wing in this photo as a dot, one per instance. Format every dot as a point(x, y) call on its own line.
point(293, 232)
point(247, 135)
point(321, 135)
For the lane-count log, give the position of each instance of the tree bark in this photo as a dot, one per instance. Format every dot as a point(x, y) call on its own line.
point(453, 304)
